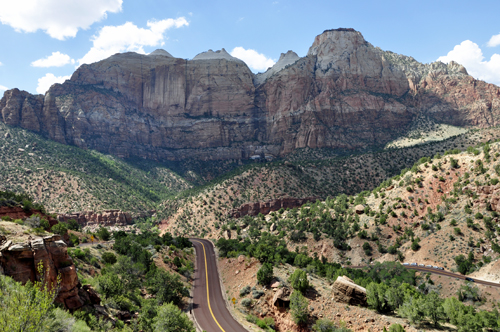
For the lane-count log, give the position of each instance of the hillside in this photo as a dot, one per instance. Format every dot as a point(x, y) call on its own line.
point(308, 173)
point(442, 212)
point(66, 178)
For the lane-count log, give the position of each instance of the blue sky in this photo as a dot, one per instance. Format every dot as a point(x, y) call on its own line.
point(43, 41)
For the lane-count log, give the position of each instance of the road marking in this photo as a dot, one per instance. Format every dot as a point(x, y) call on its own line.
point(208, 294)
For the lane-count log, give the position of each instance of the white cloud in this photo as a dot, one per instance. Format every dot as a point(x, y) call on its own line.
point(1, 64)
point(494, 41)
point(57, 59)
point(44, 83)
point(60, 19)
point(470, 55)
point(3, 88)
point(254, 60)
point(129, 38)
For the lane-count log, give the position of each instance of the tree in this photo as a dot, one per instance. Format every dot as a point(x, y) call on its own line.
point(265, 274)
point(394, 295)
point(299, 280)
point(298, 307)
point(59, 228)
point(103, 234)
point(413, 309)
point(25, 308)
point(167, 287)
point(108, 258)
point(172, 319)
point(110, 285)
point(375, 296)
point(433, 307)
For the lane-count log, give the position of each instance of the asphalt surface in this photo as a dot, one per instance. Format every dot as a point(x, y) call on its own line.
point(441, 272)
point(209, 306)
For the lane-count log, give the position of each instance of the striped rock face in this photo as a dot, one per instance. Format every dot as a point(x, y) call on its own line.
point(345, 94)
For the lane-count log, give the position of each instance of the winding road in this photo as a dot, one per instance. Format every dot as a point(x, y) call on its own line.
point(440, 272)
point(209, 305)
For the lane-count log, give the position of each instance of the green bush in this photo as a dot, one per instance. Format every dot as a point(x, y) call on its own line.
point(59, 228)
point(246, 302)
point(171, 319)
point(109, 258)
point(103, 234)
point(265, 274)
point(298, 308)
point(245, 291)
point(299, 281)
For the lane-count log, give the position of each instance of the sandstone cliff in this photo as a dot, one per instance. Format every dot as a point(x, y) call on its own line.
point(345, 94)
point(20, 261)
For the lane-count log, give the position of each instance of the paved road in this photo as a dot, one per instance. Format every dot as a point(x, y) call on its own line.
point(209, 306)
point(441, 272)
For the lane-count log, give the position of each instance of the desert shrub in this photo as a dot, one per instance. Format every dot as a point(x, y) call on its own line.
point(246, 302)
point(245, 290)
point(109, 258)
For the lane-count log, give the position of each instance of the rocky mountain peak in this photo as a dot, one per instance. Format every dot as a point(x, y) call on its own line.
point(160, 52)
point(336, 41)
point(220, 54)
point(286, 59)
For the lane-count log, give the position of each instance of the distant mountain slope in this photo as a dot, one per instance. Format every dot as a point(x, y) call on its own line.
point(309, 173)
point(66, 178)
point(345, 94)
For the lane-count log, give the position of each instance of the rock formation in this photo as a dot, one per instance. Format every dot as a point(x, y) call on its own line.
point(20, 261)
point(345, 94)
point(104, 218)
point(346, 291)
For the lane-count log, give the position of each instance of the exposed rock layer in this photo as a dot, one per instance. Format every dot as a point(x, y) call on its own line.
point(345, 94)
point(20, 261)
point(346, 291)
point(105, 218)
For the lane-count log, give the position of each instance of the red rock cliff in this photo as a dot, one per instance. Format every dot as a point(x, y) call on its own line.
point(344, 94)
point(19, 261)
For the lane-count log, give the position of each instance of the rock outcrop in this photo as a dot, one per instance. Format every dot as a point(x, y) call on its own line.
point(104, 218)
point(346, 291)
point(253, 209)
point(345, 94)
point(21, 260)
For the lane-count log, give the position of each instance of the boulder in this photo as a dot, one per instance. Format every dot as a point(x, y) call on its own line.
point(346, 291)
point(281, 298)
point(359, 209)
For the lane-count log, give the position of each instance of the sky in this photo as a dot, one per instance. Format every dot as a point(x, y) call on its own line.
point(44, 41)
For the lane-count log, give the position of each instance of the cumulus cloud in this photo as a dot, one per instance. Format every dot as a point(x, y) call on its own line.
point(254, 60)
point(44, 83)
point(57, 59)
point(471, 56)
point(60, 19)
point(129, 38)
point(494, 41)
point(3, 88)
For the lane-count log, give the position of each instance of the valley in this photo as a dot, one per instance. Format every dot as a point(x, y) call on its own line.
point(315, 181)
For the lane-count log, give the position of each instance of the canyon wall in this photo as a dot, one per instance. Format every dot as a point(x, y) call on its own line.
point(344, 94)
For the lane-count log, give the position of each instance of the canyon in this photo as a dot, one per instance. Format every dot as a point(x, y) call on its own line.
point(344, 94)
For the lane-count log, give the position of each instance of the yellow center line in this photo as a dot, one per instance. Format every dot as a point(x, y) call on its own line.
point(208, 294)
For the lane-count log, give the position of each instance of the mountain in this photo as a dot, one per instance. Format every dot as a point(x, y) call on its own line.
point(345, 94)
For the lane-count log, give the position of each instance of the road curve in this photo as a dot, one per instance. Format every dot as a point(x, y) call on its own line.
point(209, 305)
point(440, 272)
